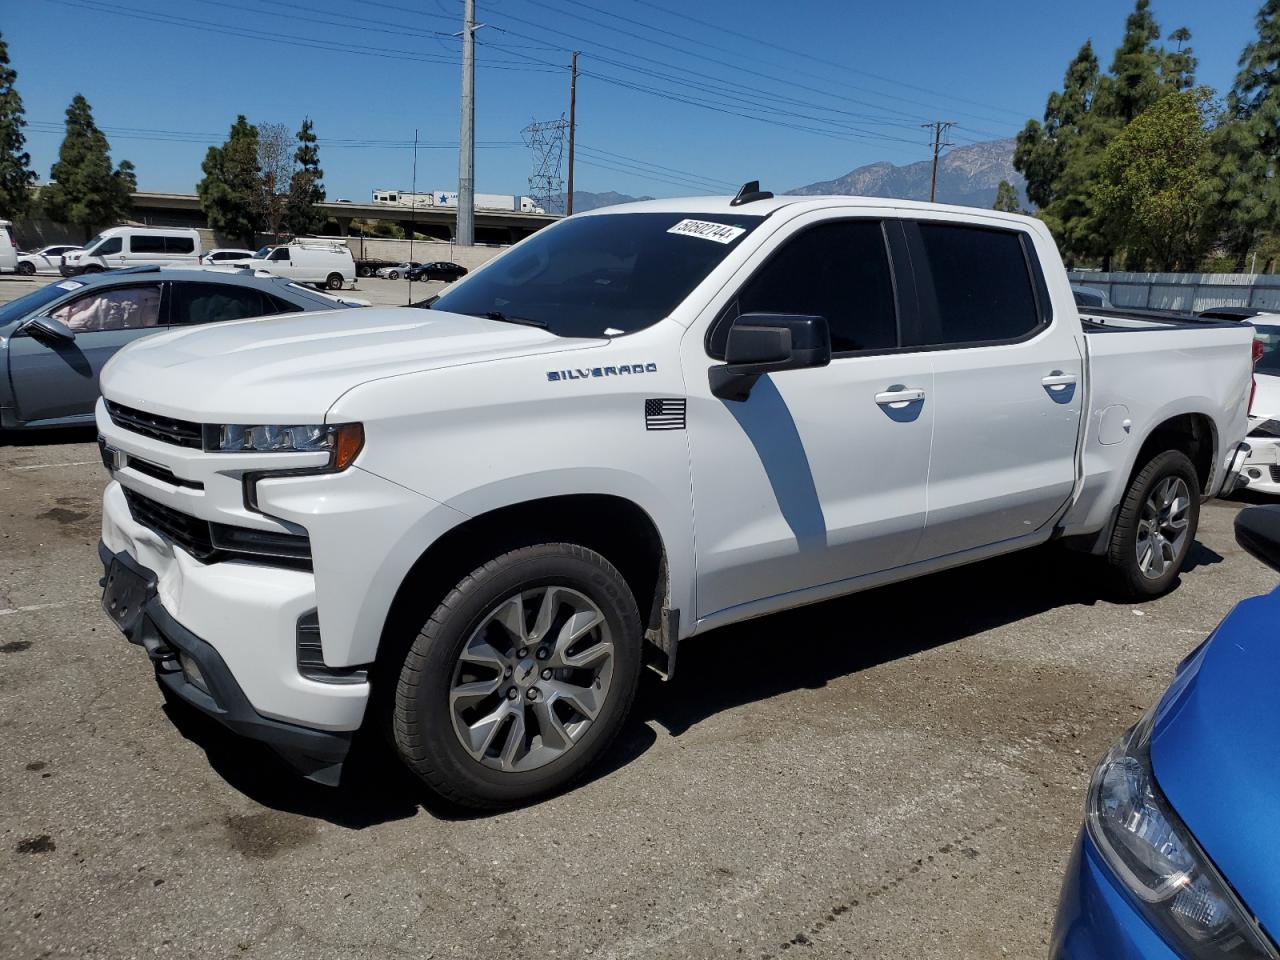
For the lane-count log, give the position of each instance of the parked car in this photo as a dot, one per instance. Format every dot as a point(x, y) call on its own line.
point(440, 270)
point(8, 251)
point(226, 255)
point(327, 263)
point(46, 260)
point(367, 267)
point(480, 517)
point(55, 340)
point(1262, 468)
point(1089, 296)
point(397, 270)
point(1181, 839)
point(133, 247)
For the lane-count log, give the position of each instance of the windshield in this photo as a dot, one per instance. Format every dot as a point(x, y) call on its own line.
point(601, 275)
point(1269, 337)
point(261, 253)
point(33, 301)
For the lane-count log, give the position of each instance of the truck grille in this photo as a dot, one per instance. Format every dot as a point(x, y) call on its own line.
point(213, 542)
point(184, 433)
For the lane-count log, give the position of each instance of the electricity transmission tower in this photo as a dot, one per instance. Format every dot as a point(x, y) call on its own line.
point(545, 139)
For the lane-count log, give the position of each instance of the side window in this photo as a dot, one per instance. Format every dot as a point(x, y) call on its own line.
point(111, 245)
point(836, 270)
point(124, 308)
point(142, 243)
point(280, 253)
point(982, 285)
point(276, 305)
point(179, 245)
point(215, 302)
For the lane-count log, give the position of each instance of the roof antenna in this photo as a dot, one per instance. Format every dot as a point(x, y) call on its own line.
point(750, 191)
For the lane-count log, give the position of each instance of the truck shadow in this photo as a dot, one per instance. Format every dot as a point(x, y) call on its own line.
point(724, 669)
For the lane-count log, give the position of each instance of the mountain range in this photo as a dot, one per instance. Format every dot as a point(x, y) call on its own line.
point(967, 175)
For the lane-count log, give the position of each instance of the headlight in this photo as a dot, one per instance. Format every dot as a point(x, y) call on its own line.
point(341, 441)
point(1150, 849)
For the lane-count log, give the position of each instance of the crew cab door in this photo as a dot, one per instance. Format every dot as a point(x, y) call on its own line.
point(1008, 385)
point(56, 379)
point(820, 475)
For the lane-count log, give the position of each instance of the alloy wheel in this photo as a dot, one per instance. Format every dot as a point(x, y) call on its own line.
point(1162, 528)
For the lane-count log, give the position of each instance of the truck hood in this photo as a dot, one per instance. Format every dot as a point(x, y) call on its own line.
point(292, 368)
point(1216, 754)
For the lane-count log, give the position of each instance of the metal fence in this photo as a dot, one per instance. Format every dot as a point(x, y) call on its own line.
point(1186, 291)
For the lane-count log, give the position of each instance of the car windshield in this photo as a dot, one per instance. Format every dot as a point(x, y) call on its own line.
point(601, 275)
point(1269, 337)
point(262, 253)
point(33, 301)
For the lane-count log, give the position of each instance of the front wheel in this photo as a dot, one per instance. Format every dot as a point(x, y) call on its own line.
point(334, 281)
point(521, 678)
point(1156, 526)
point(393, 275)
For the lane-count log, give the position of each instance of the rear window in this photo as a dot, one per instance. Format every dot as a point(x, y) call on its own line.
point(602, 275)
point(1269, 337)
point(179, 245)
point(982, 285)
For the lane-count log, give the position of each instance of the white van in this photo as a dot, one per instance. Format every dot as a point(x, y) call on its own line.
point(8, 252)
point(134, 247)
point(325, 262)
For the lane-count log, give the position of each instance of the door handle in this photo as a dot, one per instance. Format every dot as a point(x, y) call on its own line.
point(901, 395)
point(1057, 380)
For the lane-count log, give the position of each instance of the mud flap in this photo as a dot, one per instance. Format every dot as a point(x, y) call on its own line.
point(661, 645)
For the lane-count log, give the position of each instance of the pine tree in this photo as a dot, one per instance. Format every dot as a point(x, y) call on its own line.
point(229, 191)
point(1248, 142)
point(16, 175)
point(1007, 198)
point(306, 187)
point(86, 191)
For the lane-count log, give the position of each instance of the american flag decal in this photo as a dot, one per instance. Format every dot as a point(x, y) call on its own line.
point(664, 414)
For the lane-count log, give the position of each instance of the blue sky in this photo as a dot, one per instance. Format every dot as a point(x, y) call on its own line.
point(825, 85)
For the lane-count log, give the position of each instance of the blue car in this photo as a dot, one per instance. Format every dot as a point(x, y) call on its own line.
point(55, 341)
point(1180, 852)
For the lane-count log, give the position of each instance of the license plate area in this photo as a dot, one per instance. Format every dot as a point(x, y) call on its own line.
point(124, 594)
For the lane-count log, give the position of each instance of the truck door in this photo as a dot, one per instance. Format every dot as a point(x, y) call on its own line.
point(1008, 384)
point(55, 379)
point(820, 475)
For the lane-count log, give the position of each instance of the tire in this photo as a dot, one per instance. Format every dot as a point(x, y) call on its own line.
point(334, 281)
point(393, 275)
point(26, 269)
point(1143, 513)
point(93, 269)
point(456, 648)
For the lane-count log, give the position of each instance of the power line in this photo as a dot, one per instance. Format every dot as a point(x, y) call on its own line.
point(832, 63)
point(187, 136)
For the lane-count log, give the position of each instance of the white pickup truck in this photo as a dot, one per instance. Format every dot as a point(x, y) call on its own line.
point(472, 525)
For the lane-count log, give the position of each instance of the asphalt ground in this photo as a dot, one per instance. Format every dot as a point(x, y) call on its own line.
point(895, 774)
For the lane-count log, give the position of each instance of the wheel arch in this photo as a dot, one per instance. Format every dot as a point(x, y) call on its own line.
point(617, 528)
point(1194, 434)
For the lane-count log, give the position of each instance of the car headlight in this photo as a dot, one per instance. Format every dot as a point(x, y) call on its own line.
point(341, 441)
point(1157, 859)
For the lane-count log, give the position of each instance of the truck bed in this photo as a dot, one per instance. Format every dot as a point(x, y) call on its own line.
point(1112, 319)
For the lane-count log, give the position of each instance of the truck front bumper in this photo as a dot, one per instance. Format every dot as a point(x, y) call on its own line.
point(192, 670)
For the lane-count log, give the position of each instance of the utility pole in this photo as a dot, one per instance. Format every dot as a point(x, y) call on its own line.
point(939, 128)
point(466, 231)
point(573, 126)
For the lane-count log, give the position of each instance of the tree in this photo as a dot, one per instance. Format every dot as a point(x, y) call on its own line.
point(16, 175)
point(1248, 141)
point(306, 187)
point(275, 166)
point(1157, 181)
point(86, 191)
point(229, 191)
point(1007, 198)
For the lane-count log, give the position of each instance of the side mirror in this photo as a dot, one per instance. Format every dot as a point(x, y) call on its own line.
point(50, 328)
point(761, 343)
point(1258, 531)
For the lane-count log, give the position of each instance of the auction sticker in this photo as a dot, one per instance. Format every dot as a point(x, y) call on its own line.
point(706, 230)
point(70, 285)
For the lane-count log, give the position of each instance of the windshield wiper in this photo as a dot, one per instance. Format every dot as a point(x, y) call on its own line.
point(503, 318)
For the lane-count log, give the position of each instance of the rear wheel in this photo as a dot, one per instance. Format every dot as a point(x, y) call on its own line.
point(521, 678)
point(334, 281)
point(363, 272)
point(26, 269)
point(1156, 526)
